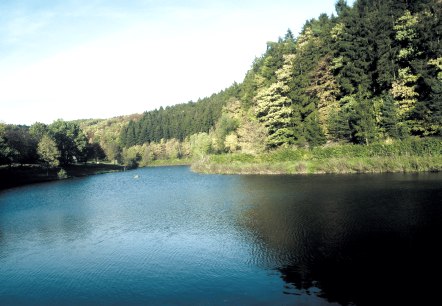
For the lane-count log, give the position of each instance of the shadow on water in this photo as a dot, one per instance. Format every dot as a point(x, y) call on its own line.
point(363, 240)
point(172, 237)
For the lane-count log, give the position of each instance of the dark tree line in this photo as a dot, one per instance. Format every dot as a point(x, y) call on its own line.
point(178, 121)
point(61, 142)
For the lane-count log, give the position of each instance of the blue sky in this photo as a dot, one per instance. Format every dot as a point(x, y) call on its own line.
point(75, 59)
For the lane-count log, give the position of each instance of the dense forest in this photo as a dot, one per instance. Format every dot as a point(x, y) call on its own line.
point(371, 73)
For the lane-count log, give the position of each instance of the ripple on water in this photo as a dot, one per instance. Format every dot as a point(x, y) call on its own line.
point(304, 240)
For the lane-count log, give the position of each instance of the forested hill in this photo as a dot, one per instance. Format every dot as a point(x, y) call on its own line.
point(370, 73)
point(178, 121)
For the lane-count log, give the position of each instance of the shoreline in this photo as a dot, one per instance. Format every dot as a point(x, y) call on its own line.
point(22, 175)
point(403, 164)
point(17, 176)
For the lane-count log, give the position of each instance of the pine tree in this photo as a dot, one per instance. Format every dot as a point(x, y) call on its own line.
point(131, 138)
point(389, 119)
point(353, 52)
point(313, 132)
point(365, 125)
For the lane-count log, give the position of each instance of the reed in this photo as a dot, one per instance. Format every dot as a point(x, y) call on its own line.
point(413, 155)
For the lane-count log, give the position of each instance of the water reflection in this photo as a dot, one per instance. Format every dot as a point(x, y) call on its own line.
point(364, 240)
point(174, 237)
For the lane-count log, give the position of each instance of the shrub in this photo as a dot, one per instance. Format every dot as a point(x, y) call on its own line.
point(62, 174)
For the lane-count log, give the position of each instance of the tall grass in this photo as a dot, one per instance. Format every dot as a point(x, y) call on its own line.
point(413, 155)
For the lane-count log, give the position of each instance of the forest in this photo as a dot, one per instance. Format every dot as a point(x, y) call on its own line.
point(369, 75)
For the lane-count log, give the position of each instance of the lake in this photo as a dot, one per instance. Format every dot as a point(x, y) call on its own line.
point(173, 237)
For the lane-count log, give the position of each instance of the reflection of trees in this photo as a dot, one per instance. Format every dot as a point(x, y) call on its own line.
point(363, 240)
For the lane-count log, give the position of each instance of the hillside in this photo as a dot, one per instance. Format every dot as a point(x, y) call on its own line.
point(371, 74)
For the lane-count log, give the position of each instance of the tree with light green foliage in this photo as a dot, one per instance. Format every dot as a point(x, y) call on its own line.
point(273, 106)
point(325, 88)
point(226, 124)
point(251, 136)
point(38, 130)
point(200, 144)
point(404, 87)
point(437, 62)
point(112, 151)
point(231, 143)
point(404, 91)
point(132, 156)
point(48, 152)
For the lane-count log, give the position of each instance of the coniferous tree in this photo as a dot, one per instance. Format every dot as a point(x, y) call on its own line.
point(389, 119)
point(365, 125)
point(353, 52)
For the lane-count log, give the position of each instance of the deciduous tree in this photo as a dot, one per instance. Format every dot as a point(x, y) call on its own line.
point(48, 152)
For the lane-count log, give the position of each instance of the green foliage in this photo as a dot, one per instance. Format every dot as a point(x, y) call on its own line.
point(251, 135)
point(179, 121)
point(22, 144)
point(409, 147)
point(95, 152)
point(38, 130)
point(233, 158)
point(325, 89)
point(313, 131)
point(410, 155)
point(273, 106)
point(370, 75)
point(7, 154)
point(340, 123)
point(131, 156)
point(224, 126)
point(62, 174)
point(70, 140)
point(284, 154)
point(200, 144)
point(365, 126)
point(48, 152)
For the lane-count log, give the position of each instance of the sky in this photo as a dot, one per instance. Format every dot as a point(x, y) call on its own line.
point(80, 59)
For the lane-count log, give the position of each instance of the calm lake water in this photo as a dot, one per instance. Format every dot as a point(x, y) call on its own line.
point(173, 237)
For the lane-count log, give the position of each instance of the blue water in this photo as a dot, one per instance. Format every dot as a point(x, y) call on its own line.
point(173, 237)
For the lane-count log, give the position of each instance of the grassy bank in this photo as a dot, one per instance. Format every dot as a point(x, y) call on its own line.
point(18, 175)
point(170, 162)
point(402, 156)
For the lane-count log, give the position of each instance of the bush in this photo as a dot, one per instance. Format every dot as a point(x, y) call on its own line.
point(409, 147)
point(62, 174)
point(286, 154)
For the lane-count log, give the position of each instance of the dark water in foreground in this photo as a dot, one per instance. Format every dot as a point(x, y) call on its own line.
point(174, 237)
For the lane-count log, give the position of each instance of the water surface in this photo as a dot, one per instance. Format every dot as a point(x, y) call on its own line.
point(175, 237)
